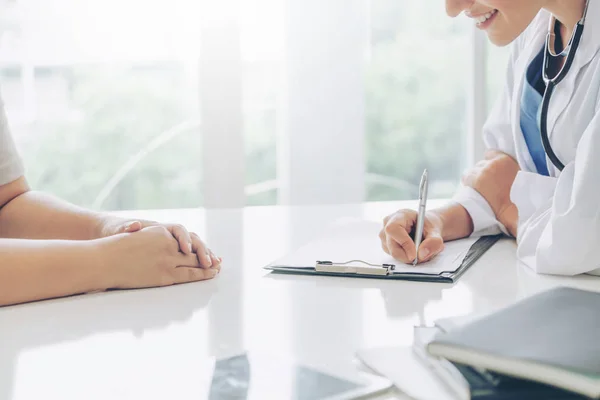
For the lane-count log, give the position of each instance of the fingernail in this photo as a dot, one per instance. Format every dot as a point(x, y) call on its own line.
point(424, 253)
point(208, 260)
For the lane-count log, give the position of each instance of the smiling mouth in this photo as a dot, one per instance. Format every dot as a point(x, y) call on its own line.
point(483, 18)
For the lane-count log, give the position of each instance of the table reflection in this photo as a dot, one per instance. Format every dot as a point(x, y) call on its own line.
point(45, 324)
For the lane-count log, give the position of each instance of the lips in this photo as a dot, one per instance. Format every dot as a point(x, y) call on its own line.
point(481, 18)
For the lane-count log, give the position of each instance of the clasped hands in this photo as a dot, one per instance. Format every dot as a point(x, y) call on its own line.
point(492, 177)
point(139, 253)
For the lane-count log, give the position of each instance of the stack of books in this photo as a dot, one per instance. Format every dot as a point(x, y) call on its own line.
point(544, 347)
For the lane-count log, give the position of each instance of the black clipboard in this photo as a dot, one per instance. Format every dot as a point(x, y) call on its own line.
point(479, 248)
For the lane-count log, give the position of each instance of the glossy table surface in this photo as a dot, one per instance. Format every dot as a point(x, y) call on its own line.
point(155, 343)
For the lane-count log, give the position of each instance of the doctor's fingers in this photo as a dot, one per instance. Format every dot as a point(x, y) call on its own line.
point(383, 239)
point(431, 246)
point(397, 251)
point(403, 217)
point(399, 243)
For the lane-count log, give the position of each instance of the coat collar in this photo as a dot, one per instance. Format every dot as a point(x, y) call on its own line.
point(588, 49)
point(590, 41)
point(533, 40)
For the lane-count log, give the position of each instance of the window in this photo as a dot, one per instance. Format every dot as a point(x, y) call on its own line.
point(105, 99)
point(96, 96)
point(416, 98)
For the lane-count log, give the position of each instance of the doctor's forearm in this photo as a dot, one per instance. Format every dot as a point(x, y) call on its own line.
point(456, 221)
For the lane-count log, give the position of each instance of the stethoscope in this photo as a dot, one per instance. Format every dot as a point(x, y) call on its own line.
point(570, 50)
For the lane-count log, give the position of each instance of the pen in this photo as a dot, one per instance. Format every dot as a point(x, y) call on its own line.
point(421, 214)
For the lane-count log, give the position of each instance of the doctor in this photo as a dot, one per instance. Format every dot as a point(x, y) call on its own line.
point(544, 193)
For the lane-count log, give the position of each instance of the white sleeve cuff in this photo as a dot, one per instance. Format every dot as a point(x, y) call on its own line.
point(484, 220)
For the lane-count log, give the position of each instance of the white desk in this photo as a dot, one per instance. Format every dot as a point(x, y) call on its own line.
point(152, 343)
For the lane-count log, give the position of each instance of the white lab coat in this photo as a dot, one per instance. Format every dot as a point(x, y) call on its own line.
point(559, 216)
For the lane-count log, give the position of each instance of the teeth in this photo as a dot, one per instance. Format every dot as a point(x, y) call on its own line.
point(482, 18)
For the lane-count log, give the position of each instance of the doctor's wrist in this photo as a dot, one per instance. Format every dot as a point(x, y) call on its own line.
point(455, 221)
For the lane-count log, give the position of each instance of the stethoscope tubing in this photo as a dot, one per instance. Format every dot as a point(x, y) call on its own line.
point(551, 84)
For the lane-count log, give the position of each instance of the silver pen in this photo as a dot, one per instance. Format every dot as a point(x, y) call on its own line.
point(421, 215)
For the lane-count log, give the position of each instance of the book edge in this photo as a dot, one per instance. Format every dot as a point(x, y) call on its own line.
point(523, 369)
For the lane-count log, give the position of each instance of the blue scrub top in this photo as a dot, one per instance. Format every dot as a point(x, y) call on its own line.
point(531, 102)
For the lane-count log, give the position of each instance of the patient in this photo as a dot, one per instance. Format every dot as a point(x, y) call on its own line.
point(50, 248)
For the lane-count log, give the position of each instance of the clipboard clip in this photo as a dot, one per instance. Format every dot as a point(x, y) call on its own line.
point(355, 267)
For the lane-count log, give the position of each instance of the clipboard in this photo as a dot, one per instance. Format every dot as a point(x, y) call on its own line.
point(350, 238)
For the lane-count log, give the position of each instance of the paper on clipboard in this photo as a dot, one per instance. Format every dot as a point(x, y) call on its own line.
point(359, 240)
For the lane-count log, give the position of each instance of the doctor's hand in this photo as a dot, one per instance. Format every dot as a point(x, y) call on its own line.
point(396, 237)
point(493, 178)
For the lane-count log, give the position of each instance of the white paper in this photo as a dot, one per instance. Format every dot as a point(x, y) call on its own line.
point(359, 240)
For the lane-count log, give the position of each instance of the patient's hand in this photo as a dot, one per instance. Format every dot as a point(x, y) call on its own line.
point(189, 242)
point(146, 258)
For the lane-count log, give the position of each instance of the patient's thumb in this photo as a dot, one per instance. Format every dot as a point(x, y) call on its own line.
point(131, 226)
